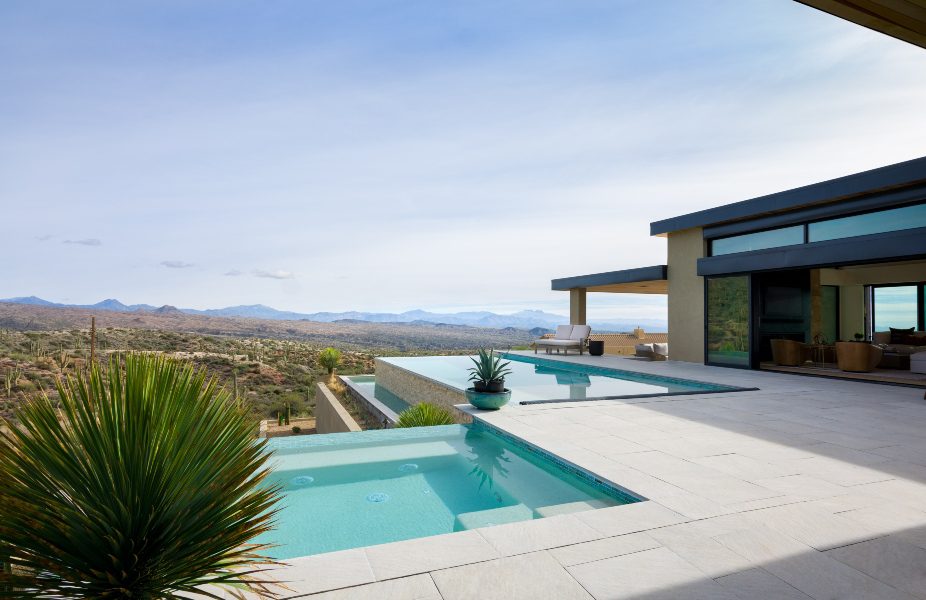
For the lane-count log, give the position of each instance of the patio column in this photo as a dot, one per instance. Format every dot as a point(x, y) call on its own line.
point(577, 306)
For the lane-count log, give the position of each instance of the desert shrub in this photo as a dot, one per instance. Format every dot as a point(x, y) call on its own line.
point(105, 498)
point(425, 415)
point(329, 359)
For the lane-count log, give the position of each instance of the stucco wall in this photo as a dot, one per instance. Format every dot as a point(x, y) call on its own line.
point(330, 416)
point(686, 296)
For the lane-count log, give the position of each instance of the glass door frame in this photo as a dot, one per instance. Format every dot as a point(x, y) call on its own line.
point(751, 294)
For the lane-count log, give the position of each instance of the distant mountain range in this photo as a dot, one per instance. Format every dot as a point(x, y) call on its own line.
point(525, 319)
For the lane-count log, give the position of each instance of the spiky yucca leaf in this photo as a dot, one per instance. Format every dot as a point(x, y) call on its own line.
point(145, 484)
point(424, 415)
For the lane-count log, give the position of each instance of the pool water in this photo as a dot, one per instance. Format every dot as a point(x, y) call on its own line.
point(349, 490)
point(536, 379)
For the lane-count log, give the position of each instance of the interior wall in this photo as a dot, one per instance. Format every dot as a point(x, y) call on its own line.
point(686, 296)
point(851, 311)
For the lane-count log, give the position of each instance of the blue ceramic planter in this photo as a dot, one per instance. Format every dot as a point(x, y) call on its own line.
point(488, 400)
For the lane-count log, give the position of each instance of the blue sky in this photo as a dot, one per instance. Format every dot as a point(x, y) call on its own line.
point(384, 155)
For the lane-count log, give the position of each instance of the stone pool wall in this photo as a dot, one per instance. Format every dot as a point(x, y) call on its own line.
point(415, 388)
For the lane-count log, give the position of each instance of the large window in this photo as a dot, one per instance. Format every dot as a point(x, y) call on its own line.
point(773, 238)
point(897, 219)
point(896, 306)
point(892, 219)
point(728, 321)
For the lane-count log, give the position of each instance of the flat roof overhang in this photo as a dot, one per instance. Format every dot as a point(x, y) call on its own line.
point(891, 178)
point(901, 19)
point(644, 280)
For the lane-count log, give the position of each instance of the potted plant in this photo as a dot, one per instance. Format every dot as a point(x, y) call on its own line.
point(859, 337)
point(488, 377)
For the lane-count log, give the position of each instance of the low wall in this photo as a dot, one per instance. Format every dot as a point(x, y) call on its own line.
point(623, 343)
point(414, 389)
point(380, 411)
point(330, 415)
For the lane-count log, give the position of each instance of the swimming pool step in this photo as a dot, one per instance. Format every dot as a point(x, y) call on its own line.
point(358, 456)
point(493, 516)
point(570, 507)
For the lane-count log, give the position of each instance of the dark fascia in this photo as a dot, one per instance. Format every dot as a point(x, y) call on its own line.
point(911, 172)
point(653, 273)
point(879, 247)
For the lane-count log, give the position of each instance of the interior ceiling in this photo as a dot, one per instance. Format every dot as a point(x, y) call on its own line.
point(901, 19)
point(657, 286)
point(881, 265)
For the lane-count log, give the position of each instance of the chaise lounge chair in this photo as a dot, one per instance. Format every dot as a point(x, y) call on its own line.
point(567, 336)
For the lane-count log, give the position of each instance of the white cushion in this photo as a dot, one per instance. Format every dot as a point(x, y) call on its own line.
point(643, 347)
point(580, 332)
point(563, 332)
point(553, 342)
point(661, 349)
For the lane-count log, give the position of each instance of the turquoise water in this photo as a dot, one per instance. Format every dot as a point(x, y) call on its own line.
point(534, 379)
point(348, 490)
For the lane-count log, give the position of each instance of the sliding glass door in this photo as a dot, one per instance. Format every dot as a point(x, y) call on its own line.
point(727, 330)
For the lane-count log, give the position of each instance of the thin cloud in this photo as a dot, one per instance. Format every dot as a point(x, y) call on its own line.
point(84, 242)
point(276, 274)
point(176, 264)
point(44, 238)
point(233, 273)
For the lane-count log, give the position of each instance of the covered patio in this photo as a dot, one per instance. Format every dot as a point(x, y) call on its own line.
point(643, 280)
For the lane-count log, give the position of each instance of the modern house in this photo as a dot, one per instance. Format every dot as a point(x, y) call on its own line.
point(818, 263)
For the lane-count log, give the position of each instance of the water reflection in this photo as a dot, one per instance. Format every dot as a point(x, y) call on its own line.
point(488, 458)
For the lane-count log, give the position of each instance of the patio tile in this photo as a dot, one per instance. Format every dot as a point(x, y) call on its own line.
point(322, 572)
point(761, 585)
point(891, 560)
point(604, 548)
point(620, 520)
point(709, 556)
point(802, 486)
point(812, 525)
point(416, 587)
point(887, 520)
point(811, 572)
point(541, 534)
point(610, 445)
point(421, 555)
point(528, 577)
point(745, 467)
point(652, 574)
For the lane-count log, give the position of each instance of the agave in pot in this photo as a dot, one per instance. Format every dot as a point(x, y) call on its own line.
point(488, 374)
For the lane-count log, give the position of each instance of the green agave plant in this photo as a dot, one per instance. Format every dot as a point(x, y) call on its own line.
point(146, 483)
point(488, 367)
point(424, 415)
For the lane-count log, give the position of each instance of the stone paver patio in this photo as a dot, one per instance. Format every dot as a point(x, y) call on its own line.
point(807, 488)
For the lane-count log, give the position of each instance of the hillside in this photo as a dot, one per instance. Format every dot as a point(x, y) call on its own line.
point(525, 319)
point(350, 335)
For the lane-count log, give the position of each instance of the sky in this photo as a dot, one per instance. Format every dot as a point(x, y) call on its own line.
point(392, 155)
